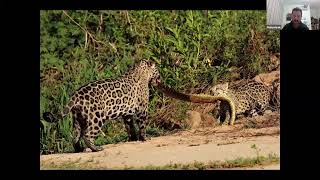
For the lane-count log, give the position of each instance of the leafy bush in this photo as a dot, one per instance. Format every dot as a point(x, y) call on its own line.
point(193, 49)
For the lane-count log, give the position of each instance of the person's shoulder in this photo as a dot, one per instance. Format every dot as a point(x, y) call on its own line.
point(305, 27)
point(286, 27)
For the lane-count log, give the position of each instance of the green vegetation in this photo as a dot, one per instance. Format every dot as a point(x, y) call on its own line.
point(193, 49)
point(236, 163)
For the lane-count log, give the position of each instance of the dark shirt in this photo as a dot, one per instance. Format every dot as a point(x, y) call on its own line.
point(289, 27)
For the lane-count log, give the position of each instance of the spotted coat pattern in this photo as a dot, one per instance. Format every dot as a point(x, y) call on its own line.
point(96, 103)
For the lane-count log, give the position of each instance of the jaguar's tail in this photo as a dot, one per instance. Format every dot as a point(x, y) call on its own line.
point(48, 116)
point(198, 98)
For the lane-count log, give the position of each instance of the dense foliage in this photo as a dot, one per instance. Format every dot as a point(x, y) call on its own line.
point(193, 49)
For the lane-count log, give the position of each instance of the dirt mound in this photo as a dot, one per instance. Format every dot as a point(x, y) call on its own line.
point(267, 78)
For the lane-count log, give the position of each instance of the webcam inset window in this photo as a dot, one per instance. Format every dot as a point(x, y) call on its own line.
point(293, 14)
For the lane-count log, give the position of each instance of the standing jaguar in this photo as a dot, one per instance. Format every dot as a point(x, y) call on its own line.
point(103, 100)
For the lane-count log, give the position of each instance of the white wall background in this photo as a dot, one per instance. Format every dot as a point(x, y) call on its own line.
point(315, 8)
point(315, 12)
point(274, 13)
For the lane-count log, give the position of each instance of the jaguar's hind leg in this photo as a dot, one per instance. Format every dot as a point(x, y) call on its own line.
point(89, 142)
point(142, 122)
point(224, 113)
point(225, 118)
point(251, 113)
point(129, 124)
point(89, 129)
point(90, 135)
point(77, 135)
point(258, 110)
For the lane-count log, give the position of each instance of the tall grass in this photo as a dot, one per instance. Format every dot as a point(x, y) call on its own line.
point(192, 49)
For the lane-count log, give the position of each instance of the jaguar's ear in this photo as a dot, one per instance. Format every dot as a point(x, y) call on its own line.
point(225, 86)
point(149, 63)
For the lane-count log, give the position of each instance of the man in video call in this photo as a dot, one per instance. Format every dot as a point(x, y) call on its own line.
point(296, 24)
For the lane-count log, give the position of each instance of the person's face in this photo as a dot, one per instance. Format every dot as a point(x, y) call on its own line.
point(296, 18)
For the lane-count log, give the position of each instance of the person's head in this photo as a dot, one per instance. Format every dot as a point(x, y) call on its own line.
point(296, 16)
